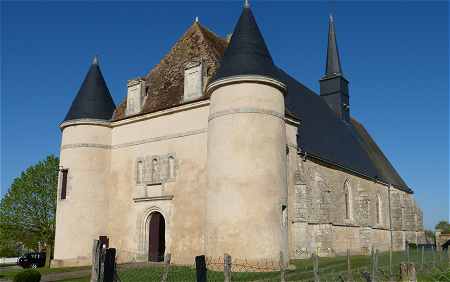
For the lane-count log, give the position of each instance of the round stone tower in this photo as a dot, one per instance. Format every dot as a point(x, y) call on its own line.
point(84, 167)
point(246, 213)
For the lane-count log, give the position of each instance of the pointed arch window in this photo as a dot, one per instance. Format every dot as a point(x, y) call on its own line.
point(378, 209)
point(140, 171)
point(348, 201)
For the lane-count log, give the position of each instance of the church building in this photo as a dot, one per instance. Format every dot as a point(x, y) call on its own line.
point(218, 150)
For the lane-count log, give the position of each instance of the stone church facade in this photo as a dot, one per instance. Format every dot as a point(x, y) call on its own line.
point(217, 150)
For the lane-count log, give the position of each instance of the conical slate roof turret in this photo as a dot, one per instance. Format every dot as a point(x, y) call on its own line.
point(93, 99)
point(333, 66)
point(247, 53)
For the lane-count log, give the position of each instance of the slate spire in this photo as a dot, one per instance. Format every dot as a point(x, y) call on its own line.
point(333, 66)
point(333, 85)
point(93, 99)
point(247, 53)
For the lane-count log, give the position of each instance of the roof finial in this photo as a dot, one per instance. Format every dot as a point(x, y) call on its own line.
point(331, 17)
point(196, 19)
point(246, 4)
point(95, 60)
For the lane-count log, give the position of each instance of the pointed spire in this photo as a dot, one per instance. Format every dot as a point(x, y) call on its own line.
point(196, 19)
point(333, 66)
point(93, 100)
point(246, 4)
point(247, 53)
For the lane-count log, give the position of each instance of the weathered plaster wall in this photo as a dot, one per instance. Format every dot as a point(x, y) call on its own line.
point(181, 201)
point(246, 172)
point(80, 217)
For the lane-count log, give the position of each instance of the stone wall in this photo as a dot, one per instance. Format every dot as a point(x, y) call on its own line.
point(334, 211)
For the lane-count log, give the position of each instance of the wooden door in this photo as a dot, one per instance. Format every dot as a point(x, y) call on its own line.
point(156, 240)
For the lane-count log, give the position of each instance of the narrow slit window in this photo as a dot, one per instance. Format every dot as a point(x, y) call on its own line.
point(64, 183)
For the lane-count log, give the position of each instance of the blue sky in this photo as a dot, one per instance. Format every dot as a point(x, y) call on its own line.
point(395, 55)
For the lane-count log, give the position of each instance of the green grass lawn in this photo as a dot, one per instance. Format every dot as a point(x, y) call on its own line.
point(11, 272)
point(330, 269)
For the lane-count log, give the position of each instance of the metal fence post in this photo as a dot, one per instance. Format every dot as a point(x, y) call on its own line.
point(407, 253)
point(282, 268)
point(372, 258)
point(390, 262)
point(200, 266)
point(349, 267)
point(433, 254)
point(227, 267)
point(315, 259)
point(165, 275)
point(421, 261)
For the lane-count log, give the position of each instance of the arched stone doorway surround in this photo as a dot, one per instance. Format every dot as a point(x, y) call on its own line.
point(144, 228)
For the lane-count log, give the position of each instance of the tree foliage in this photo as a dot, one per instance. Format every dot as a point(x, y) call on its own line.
point(27, 211)
point(444, 226)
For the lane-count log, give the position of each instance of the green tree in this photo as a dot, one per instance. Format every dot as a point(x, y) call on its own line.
point(27, 211)
point(444, 226)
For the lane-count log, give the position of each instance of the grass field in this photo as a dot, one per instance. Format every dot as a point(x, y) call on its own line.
point(330, 269)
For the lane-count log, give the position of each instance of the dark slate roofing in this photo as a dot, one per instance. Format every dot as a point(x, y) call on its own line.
point(324, 136)
point(385, 169)
point(333, 66)
point(247, 53)
point(93, 99)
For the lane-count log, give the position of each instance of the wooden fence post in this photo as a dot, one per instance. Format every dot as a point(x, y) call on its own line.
point(109, 265)
point(408, 272)
point(200, 266)
point(349, 267)
point(227, 267)
point(165, 275)
point(95, 270)
point(315, 258)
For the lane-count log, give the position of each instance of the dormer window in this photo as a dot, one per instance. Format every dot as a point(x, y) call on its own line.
point(135, 96)
point(193, 80)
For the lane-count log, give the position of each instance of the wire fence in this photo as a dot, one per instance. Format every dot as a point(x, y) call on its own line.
point(426, 265)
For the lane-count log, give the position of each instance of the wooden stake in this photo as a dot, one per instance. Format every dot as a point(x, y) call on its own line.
point(227, 267)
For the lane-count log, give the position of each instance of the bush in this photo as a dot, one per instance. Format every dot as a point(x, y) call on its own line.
point(30, 275)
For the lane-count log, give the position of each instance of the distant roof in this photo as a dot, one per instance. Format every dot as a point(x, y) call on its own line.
point(93, 99)
point(247, 53)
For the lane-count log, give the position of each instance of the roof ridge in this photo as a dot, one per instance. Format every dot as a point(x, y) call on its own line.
point(204, 31)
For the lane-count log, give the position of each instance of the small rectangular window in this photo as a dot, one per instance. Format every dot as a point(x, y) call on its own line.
point(64, 183)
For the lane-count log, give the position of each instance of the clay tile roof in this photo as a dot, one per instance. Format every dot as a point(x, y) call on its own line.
point(165, 81)
point(93, 99)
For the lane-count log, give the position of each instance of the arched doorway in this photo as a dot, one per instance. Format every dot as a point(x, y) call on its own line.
point(156, 239)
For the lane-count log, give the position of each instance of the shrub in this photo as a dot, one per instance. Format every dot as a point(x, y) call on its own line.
point(30, 275)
